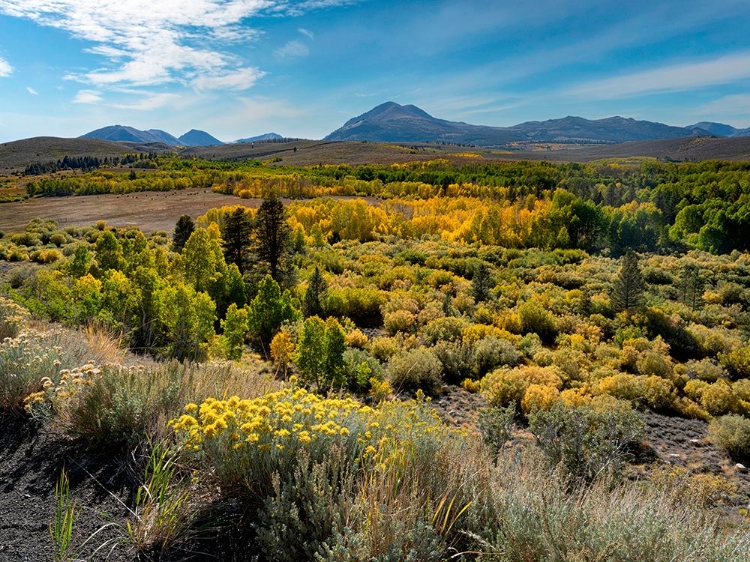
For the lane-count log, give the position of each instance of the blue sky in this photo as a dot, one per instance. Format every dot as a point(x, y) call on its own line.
point(238, 68)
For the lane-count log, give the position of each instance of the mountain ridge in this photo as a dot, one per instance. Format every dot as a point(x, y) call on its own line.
point(391, 122)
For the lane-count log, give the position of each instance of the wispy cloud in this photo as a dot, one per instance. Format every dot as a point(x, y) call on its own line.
point(677, 77)
point(32, 91)
point(148, 43)
point(293, 49)
point(307, 33)
point(87, 96)
point(5, 68)
point(149, 102)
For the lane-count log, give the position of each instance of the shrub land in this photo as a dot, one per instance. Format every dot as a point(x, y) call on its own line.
point(275, 367)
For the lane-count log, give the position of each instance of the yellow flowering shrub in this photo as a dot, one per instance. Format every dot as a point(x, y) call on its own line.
point(539, 397)
point(247, 441)
point(503, 387)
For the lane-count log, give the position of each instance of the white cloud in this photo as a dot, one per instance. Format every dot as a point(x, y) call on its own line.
point(307, 33)
point(149, 102)
point(147, 42)
point(293, 49)
point(678, 77)
point(32, 91)
point(5, 68)
point(87, 96)
point(240, 79)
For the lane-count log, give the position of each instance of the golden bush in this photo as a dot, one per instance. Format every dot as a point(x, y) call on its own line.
point(539, 397)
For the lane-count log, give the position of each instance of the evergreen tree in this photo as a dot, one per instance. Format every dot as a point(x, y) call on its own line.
point(628, 287)
point(481, 283)
point(236, 230)
point(315, 292)
point(271, 240)
point(691, 286)
point(183, 229)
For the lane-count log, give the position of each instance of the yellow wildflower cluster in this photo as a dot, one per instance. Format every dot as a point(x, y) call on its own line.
point(241, 433)
point(276, 419)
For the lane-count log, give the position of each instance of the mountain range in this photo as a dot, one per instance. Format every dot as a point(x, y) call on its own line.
point(391, 122)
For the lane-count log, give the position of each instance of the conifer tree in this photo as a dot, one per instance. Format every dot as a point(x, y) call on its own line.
point(316, 289)
point(236, 230)
point(481, 283)
point(628, 287)
point(183, 229)
point(272, 237)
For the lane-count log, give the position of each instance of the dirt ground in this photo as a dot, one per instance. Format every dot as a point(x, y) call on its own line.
point(148, 210)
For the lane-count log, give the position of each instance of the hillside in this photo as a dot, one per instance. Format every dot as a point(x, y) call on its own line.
point(19, 154)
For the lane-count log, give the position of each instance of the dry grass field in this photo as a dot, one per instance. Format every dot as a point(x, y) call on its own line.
point(149, 211)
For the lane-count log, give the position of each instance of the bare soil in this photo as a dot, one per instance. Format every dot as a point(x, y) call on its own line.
point(148, 210)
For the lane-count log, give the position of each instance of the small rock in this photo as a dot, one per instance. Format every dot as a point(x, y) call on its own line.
point(741, 467)
point(696, 442)
point(675, 455)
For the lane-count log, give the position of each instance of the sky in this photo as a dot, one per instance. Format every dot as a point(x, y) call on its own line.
point(301, 68)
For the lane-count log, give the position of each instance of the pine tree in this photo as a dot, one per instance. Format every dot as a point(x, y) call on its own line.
point(628, 287)
point(481, 283)
point(236, 230)
point(316, 289)
point(271, 237)
point(183, 229)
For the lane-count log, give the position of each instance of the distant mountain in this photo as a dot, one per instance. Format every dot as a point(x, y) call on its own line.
point(259, 138)
point(721, 130)
point(195, 137)
point(121, 133)
point(610, 130)
point(391, 122)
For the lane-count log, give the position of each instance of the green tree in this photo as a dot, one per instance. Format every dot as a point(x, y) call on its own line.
point(691, 286)
point(310, 353)
point(271, 237)
point(481, 283)
point(235, 327)
point(334, 346)
point(628, 287)
point(268, 311)
point(236, 229)
point(108, 252)
point(316, 289)
point(183, 229)
point(320, 354)
point(189, 317)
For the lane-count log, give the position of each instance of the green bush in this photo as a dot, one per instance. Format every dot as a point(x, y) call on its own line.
point(589, 440)
point(411, 370)
point(732, 432)
point(492, 352)
point(456, 358)
point(535, 319)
